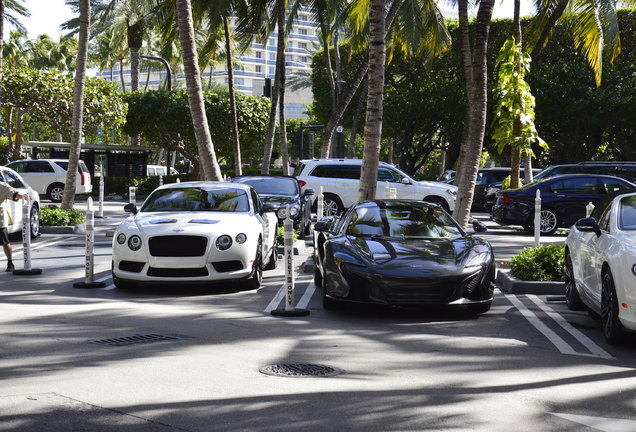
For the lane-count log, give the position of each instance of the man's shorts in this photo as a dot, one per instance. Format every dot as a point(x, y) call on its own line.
point(4, 236)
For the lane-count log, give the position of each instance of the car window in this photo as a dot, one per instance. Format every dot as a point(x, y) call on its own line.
point(38, 167)
point(17, 166)
point(627, 172)
point(414, 221)
point(256, 200)
point(365, 221)
point(13, 180)
point(337, 171)
point(604, 221)
point(598, 211)
point(386, 174)
point(196, 199)
point(615, 186)
point(627, 214)
point(271, 185)
point(576, 186)
point(298, 169)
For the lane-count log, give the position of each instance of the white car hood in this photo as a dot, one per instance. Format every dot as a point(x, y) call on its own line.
point(161, 223)
point(438, 185)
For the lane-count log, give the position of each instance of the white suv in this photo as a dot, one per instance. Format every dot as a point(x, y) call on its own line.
point(48, 176)
point(340, 181)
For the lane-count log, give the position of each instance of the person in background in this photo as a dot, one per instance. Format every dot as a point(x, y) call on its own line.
point(7, 192)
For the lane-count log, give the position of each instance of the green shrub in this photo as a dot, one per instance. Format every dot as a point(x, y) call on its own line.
point(280, 235)
point(60, 217)
point(540, 263)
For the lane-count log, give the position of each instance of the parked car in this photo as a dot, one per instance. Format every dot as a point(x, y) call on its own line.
point(159, 170)
point(340, 182)
point(489, 195)
point(48, 176)
point(600, 263)
point(283, 191)
point(14, 208)
point(624, 170)
point(563, 200)
point(401, 252)
point(487, 180)
point(196, 232)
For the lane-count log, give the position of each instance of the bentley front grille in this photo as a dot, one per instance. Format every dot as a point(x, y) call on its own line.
point(177, 246)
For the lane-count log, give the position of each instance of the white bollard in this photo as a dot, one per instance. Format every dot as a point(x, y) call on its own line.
point(387, 190)
point(178, 180)
point(320, 206)
point(26, 239)
point(90, 255)
point(537, 218)
point(288, 235)
point(589, 209)
point(101, 197)
point(160, 180)
point(132, 190)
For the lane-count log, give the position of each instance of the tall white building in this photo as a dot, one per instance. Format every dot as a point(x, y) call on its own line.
point(252, 68)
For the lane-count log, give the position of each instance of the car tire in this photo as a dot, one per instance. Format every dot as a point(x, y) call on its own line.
point(34, 222)
point(317, 275)
point(549, 221)
point(438, 200)
point(572, 298)
point(55, 192)
point(273, 258)
point(612, 328)
point(332, 205)
point(479, 308)
point(256, 278)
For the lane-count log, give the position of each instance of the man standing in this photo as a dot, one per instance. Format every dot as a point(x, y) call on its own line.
point(7, 192)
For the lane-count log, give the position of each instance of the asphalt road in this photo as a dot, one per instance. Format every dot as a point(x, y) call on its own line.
point(528, 365)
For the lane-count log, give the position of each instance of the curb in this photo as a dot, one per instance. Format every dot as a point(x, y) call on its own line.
point(72, 229)
point(510, 284)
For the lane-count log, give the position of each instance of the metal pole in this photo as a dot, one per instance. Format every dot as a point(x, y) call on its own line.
point(131, 194)
point(166, 65)
point(537, 218)
point(320, 206)
point(90, 254)
point(101, 196)
point(302, 142)
point(26, 239)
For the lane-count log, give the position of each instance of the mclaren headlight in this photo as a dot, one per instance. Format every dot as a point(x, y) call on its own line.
point(478, 261)
point(134, 242)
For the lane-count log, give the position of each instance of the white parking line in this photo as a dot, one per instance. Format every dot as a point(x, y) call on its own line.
point(309, 292)
point(277, 298)
point(555, 339)
point(587, 342)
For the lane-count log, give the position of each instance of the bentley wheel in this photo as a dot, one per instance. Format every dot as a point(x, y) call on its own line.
point(549, 222)
point(612, 328)
point(255, 279)
point(123, 283)
point(272, 263)
point(572, 298)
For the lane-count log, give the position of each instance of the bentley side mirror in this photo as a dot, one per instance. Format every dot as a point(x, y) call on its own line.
point(588, 225)
point(130, 208)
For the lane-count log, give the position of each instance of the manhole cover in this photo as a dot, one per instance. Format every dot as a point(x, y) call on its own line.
point(300, 370)
point(135, 339)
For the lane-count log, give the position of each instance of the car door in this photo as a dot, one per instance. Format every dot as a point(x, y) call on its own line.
point(599, 247)
point(39, 174)
point(388, 177)
point(569, 197)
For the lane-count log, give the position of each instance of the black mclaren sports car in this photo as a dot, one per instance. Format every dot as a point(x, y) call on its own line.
point(404, 253)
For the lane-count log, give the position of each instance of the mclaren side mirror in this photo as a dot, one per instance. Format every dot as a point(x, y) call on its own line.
point(479, 226)
point(588, 225)
point(324, 224)
point(130, 208)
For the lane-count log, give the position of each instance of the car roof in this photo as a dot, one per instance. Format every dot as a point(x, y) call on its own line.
point(338, 160)
point(206, 185)
point(262, 176)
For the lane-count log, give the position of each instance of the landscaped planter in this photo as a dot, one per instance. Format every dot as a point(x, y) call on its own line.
point(509, 284)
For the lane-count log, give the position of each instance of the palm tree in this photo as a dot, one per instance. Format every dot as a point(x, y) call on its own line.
point(475, 74)
point(78, 105)
point(375, 95)
point(209, 164)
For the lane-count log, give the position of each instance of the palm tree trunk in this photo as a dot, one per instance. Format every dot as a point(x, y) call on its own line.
point(375, 107)
point(78, 105)
point(356, 122)
point(121, 76)
point(477, 101)
point(230, 81)
point(280, 69)
point(1, 40)
point(209, 164)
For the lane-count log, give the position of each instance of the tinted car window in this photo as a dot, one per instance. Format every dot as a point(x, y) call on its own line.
point(604, 221)
point(385, 174)
point(195, 199)
point(580, 185)
point(38, 167)
point(17, 166)
point(12, 180)
point(271, 185)
point(627, 214)
point(615, 186)
point(337, 171)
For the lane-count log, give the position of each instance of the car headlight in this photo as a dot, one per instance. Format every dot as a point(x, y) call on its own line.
point(223, 242)
point(241, 238)
point(634, 269)
point(479, 260)
point(121, 238)
point(452, 192)
point(282, 212)
point(134, 242)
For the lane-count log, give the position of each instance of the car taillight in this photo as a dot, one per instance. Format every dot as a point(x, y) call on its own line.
point(83, 181)
point(506, 198)
point(302, 183)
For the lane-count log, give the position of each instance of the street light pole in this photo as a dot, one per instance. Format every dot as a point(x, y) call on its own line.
point(167, 66)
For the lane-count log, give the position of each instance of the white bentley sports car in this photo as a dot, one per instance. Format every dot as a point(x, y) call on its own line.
point(600, 265)
point(196, 232)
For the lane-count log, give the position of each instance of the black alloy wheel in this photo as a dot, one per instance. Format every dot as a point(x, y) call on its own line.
point(273, 258)
point(612, 328)
point(256, 278)
point(549, 221)
point(572, 298)
point(34, 222)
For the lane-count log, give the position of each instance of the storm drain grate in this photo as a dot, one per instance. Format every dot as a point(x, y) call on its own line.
point(135, 339)
point(300, 370)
